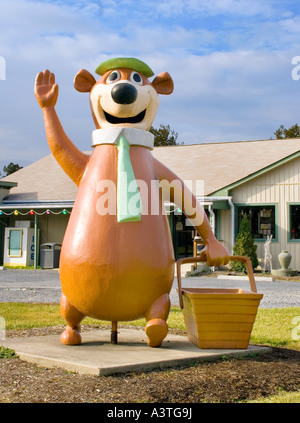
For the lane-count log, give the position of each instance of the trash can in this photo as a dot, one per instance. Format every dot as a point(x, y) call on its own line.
point(49, 255)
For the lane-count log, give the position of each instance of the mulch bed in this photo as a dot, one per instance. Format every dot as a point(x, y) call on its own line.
point(223, 381)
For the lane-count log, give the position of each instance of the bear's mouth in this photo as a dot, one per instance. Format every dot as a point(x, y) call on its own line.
point(132, 119)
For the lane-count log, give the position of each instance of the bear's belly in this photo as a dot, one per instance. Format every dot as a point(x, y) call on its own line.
point(110, 270)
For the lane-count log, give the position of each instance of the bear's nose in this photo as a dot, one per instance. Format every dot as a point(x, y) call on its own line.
point(124, 93)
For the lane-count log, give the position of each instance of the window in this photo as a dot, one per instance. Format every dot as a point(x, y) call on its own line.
point(15, 243)
point(262, 220)
point(294, 223)
point(183, 236)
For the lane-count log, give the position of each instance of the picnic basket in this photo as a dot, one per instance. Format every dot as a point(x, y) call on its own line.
point(219, 318)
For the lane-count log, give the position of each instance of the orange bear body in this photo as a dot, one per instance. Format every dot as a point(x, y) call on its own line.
point(119, 267)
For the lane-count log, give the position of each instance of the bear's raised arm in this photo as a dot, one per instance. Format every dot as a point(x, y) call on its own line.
point(69, 157)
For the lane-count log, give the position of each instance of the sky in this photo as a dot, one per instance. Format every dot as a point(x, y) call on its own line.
point(235, 65)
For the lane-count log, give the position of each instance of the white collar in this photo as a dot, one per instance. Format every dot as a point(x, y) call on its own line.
point(133, 136)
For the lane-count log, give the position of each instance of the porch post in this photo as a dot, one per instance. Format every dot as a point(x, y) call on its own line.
point(212, 218)
point(35, 240)
point(232, 223)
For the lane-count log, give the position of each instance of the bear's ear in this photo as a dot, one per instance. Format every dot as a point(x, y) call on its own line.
point(84, 81)
point(163, 83)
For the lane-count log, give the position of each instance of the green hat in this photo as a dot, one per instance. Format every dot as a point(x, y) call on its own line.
point(124, 62)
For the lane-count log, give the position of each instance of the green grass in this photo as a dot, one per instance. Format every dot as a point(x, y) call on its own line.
point(282, 397)
point(7, 353)
point(273, 327)
point(22, 267)
point(26, 316)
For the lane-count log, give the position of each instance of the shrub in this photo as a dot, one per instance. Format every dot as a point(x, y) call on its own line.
point(244, 246)
point(7, 353)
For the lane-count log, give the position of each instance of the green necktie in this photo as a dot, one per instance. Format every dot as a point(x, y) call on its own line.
point(129, 204)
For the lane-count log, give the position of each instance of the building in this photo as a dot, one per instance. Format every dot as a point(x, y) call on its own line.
point(260, 178)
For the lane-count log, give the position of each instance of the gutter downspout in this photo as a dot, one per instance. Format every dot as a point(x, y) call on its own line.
point(213, 223)
point(35, 241)
point(232, 223)
point(212, 216)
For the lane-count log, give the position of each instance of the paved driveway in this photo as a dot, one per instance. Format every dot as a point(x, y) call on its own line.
point(43, 286)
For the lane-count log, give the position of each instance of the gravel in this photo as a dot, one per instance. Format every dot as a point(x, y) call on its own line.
point(30, 286)
point(43, 286)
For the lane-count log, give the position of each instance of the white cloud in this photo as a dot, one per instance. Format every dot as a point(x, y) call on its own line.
point(230, 60)
point(233, 96)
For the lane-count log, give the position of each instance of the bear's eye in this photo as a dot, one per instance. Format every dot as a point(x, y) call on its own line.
point(136, 78)
point(113, 77)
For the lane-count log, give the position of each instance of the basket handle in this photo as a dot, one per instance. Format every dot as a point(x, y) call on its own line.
point(242, 259)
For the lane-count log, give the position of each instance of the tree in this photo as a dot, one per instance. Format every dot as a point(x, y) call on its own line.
point(244, 245)
point(283, 133)
point(164, 136)
point(11, 168)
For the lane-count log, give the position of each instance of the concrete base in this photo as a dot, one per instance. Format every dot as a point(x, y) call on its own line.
point(284, 272)
point(97, 356)
point(245, 278)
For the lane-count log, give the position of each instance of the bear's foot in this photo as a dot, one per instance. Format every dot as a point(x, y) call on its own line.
point(156, 330)
point(71, 336)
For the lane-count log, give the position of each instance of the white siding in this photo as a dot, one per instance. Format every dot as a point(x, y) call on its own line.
point(225, 229)
point(279, 186)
